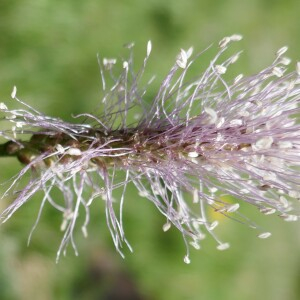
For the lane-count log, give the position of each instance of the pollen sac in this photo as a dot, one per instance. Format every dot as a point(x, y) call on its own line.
point(74, 151)
point(223, 246)
point(14, 92)
point(281, 51)
point(109, 63)
point(264, 235)
point(187, 260)
point(264, 143)
point(166, 226)
point(224, 42)
point(182, 59)
point(193, 154)
point(220, 69)
point(3, 106)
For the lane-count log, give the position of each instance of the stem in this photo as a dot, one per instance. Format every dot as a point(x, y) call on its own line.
point(10, 148)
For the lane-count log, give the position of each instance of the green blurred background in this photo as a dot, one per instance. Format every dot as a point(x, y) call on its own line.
point(48, 50)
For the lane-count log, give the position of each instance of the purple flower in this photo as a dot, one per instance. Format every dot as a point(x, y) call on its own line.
point(198, 141)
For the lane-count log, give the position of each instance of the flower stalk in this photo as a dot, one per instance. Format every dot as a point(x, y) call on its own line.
point(198, 142)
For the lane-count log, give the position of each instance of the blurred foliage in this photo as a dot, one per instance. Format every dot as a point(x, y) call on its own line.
point(48, 50)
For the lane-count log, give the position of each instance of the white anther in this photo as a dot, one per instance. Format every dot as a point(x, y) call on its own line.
point(233, 208)
point(277, 71)
point(60, 148)
point(195, 245)
point(182, 59)
point(213, 225)
point(14, 92)
point(223, 246)
point(187, 259)
point(166, 226)
point(224, 42)
point(74, 151)
point(193, 154)
point(294, 194)
point(236, 37)
point(264, 143)
point(298, 68)
point(289, 218)
point(281, 51)
point(109, 62)
point(220, 69)
point(149, 48)
point(285, 61)
point(189, 52)
point(212, 113)
point(267, 210)
point(264, 235)
point(238, 78)
point(3, 106)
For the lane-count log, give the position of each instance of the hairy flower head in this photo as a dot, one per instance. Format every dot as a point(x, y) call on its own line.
point(197, 142)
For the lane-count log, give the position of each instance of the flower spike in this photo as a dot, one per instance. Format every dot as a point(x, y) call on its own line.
point(204, 145)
